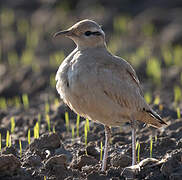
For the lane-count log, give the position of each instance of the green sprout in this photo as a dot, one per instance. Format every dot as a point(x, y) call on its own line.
point(47, 108)
point(101, 149)
point(167, 56)
point(73, 132)
point(77, 124)
point(7, 138)
point(86, 133)
point(157, 100)
point(56, 58)
point(177, 55)
point(20, 147)
point(48, 122)
point(151, 145)
point(67, 121)
point(178, 112)
point(87, 123)
point(148, 97)
point(56, 102)
point(27, 57)
point(36, 130)
point(29, 136)
point(13, 58)
point(25, 100)
point(12, 124)
point(121, 24)
point(53, 129)
point(138, 150)
point(155, 138)
point(3, 103)
point(153, 70)
point(17, 102)
point(52, 80)
point(148, 29)
point(7, 17)
point(23, 26)
point(177, 94)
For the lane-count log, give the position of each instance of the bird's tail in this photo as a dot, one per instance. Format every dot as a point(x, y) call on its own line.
point(152, 118)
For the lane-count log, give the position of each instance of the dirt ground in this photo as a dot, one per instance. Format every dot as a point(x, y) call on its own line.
point(59, 154)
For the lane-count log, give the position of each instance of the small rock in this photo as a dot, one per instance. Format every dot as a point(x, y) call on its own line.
point(83, 161)
point(96, 175)
point(46, 141)
point(57, 166)
point(9, 164)
point(32, 160)
point(10, 150)
point(121, 160)
point(130, 173)
point(59, 160)
point(92, 151)
point(172, 164)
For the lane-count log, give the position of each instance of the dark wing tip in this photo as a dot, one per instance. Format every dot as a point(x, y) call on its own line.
point(156, 116)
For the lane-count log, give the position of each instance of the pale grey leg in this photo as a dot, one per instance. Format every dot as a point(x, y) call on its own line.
point(107, 137)
point(133, 126)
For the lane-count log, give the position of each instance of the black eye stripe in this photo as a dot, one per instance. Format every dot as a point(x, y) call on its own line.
point(88, 33)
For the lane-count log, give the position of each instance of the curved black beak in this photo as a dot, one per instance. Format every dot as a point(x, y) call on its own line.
point(66, 32)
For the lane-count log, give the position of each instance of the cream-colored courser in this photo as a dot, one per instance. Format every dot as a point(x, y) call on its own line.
point(100, 86)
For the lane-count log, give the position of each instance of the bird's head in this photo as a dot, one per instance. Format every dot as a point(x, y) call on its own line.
point(86, 34)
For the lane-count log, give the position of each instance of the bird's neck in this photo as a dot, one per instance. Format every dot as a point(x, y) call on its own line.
point(91, 46)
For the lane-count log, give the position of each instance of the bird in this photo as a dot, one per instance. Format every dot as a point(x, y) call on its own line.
point(100, 86)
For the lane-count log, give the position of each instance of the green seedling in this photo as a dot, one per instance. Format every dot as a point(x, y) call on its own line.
point(7, 17)
point(56, 58)
point(20, 148)
point(101, 149)
point(3, 103)
point(67, 121)
point(29, 136)
point(86, 133)
point(12, 124)
point(153, 70)
point(23, 26)
point(52, 80)
point(148, 97)
point(36, 130)
point(27, 57)
point(53, 129)
point(155, 138)
point(178, 112)
point(7, 138)
point(138, 150)
point(167, 56)
point(17, 102)
point(73, 132)
point(13, 58)
point(77, 124)
point(157, 100)
point(177, 94)
point(47, 108)
point(87, 123)
point(32, 38)
point(121, 24)
point(56, 102)
point(148, 29)
point(151, 145)
point(25, 100)
point(177, 51)
point(48, 122)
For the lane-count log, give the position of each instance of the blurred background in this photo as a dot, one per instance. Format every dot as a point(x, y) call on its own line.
point(146, 33)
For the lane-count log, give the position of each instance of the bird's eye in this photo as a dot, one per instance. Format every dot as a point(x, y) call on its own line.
point(88, 33)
